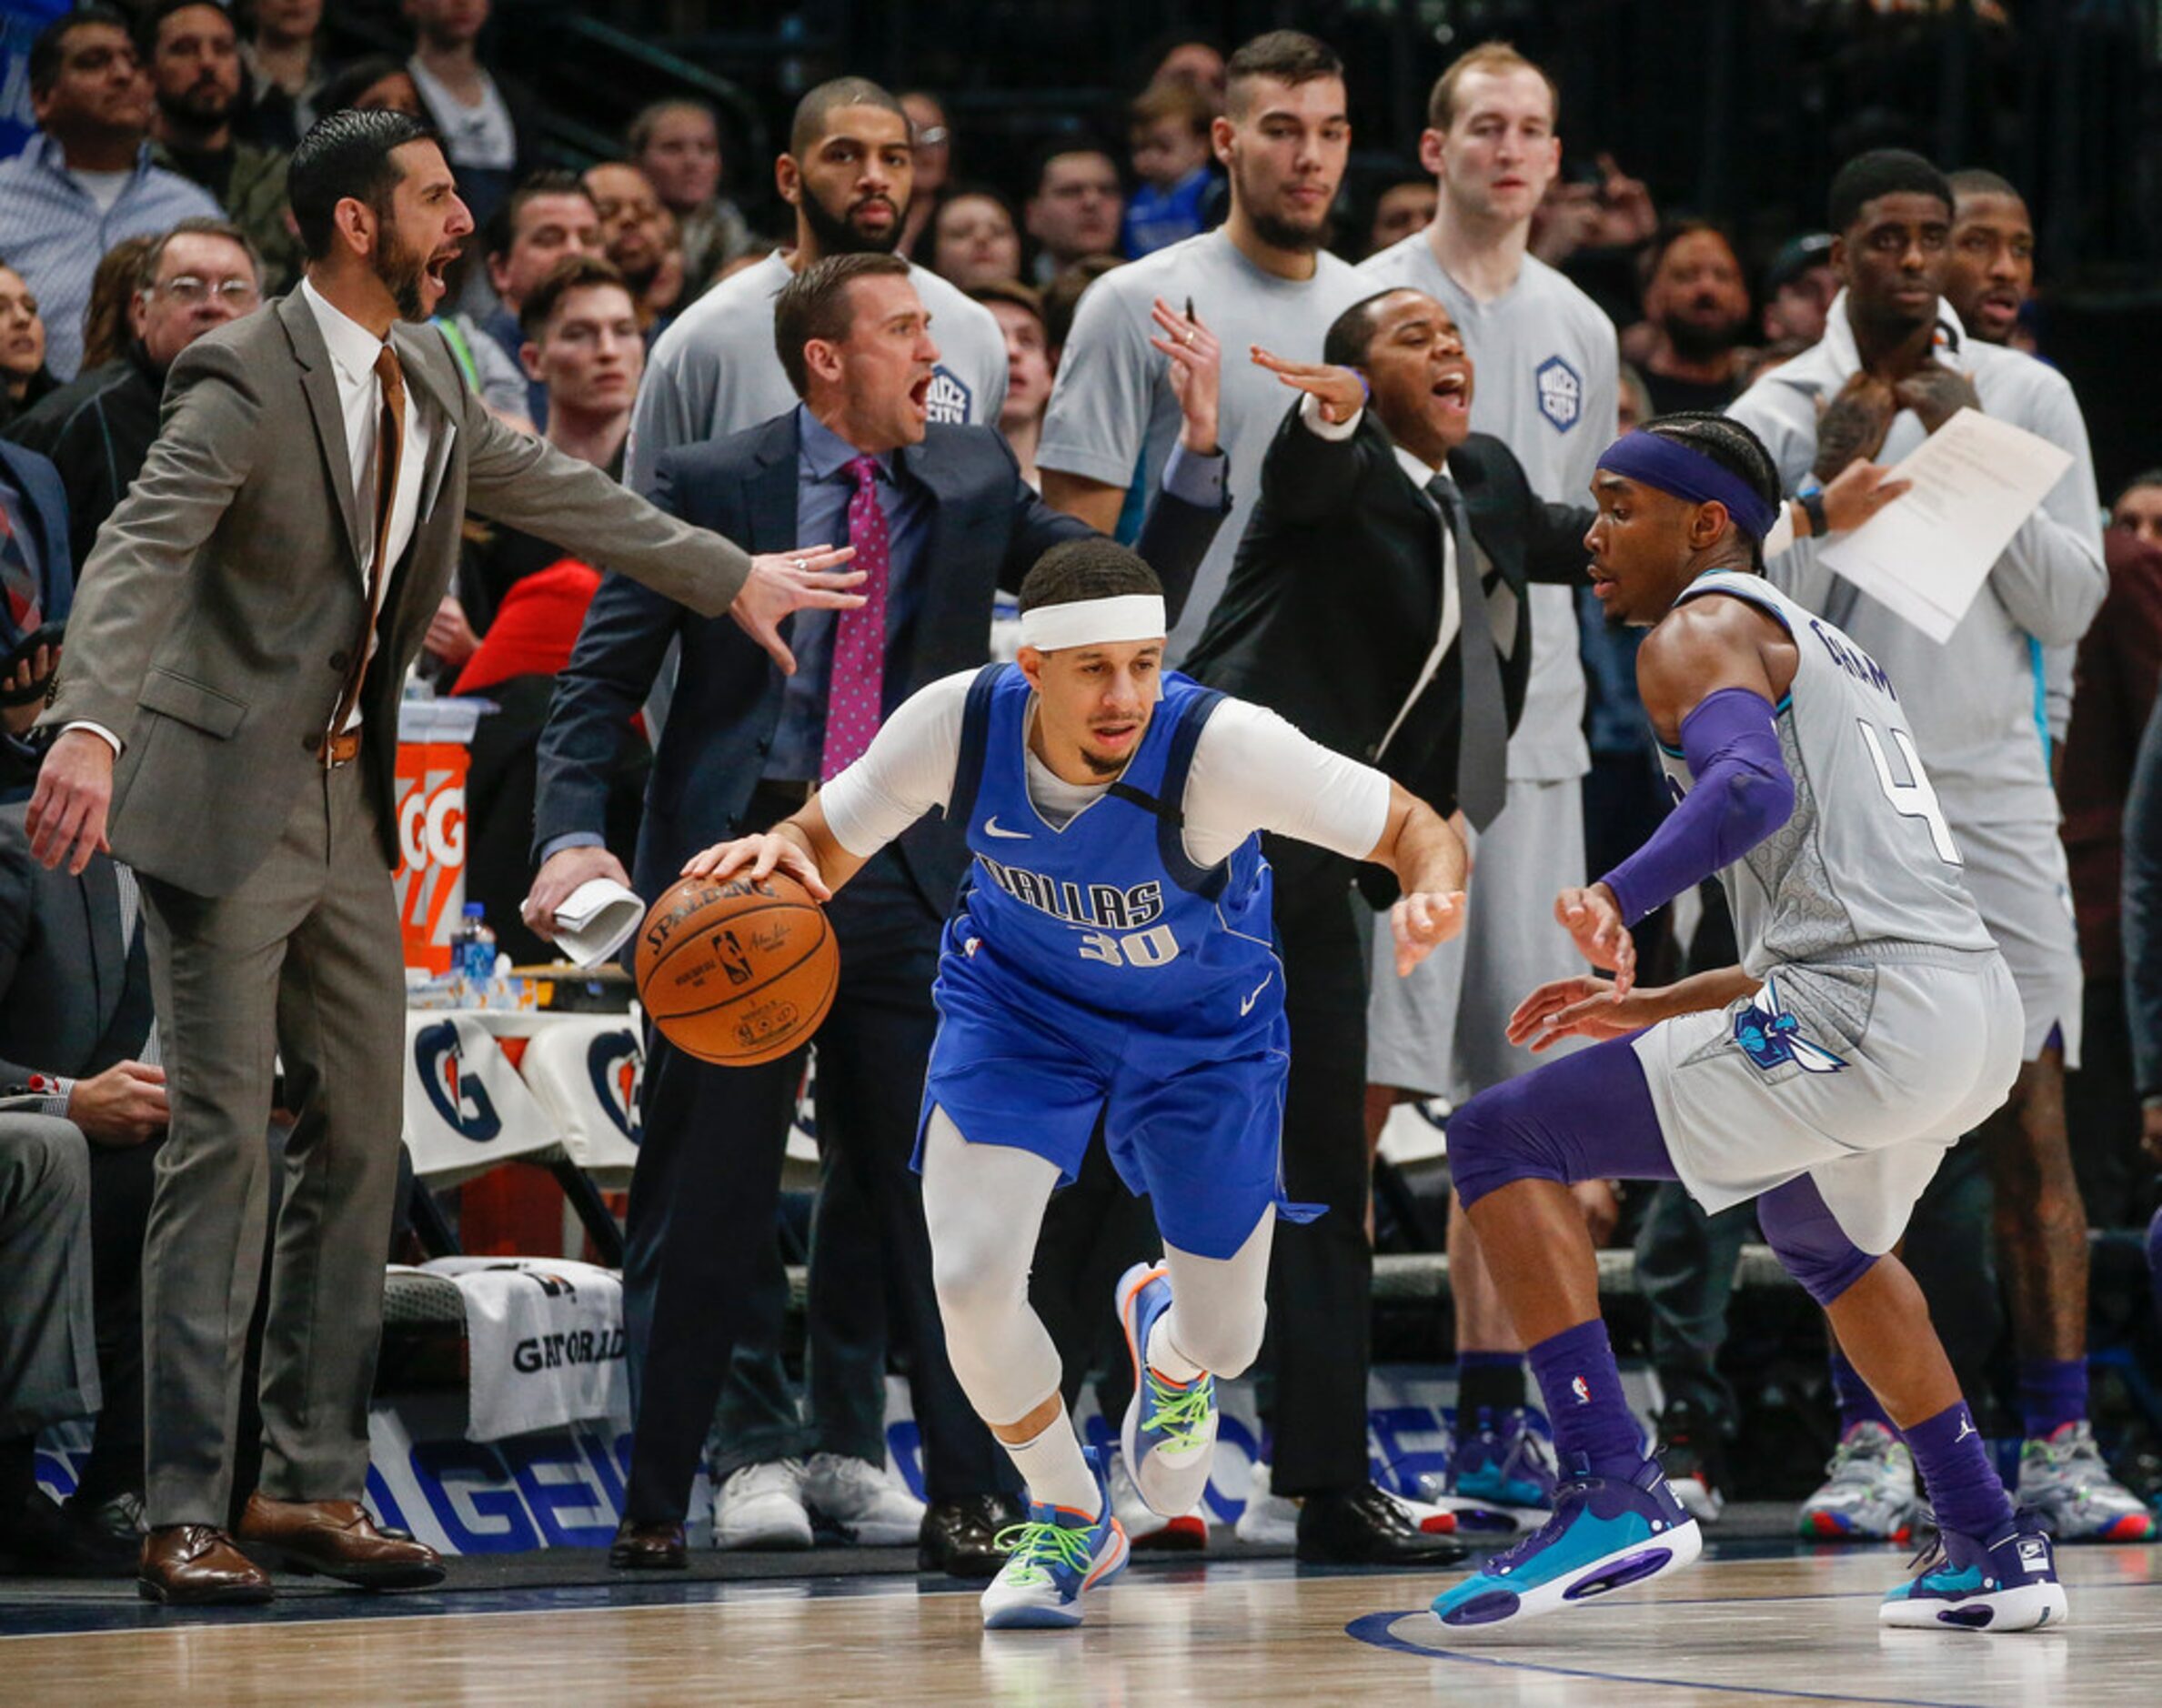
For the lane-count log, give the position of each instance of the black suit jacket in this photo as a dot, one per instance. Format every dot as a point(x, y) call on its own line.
point(1334, 598)
point(988, 528)
point(74, 999)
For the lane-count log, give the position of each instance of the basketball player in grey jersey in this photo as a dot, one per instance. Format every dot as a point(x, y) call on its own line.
point(1870, 1020)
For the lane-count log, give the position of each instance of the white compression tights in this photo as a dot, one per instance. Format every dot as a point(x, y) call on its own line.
point(984, 1204)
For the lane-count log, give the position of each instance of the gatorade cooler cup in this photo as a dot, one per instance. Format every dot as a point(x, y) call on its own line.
point(433, 736)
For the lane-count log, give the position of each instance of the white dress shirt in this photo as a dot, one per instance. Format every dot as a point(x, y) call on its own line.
point(353, 353)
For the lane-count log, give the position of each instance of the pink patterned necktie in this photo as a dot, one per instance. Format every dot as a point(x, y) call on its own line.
point(856, 685)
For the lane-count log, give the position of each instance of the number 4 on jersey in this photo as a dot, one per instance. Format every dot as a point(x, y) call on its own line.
point(1916, 798)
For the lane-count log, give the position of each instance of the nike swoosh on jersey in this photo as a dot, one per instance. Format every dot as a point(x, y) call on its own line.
point(1246, 1007)
point(990, 828)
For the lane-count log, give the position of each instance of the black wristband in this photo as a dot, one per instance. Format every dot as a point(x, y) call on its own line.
point(1813, 507)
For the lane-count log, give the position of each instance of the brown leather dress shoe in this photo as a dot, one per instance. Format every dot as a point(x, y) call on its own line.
point(340, 1540)
point(196, 1566)
point(649, 1548)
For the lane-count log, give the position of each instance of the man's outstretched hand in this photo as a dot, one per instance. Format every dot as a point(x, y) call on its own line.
point(784, 581)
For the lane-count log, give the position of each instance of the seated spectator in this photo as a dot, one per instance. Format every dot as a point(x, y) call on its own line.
point(282, 73)
point(1019, 313)
point(36, 588)
point(489, 127)
point(2113, 695)
point(81, 1037)
point(636, 235)
point(1197, 64)
point(47, 1375)
point(973, 239)
point(583, 346)
point(1696, 319)
point(2138, 509)
point(105, 328)
point(1404, 206)
point(86, 180)
point(676, 145)
point(1799, 287)
point(575, 322)
point(930, 145)
point(377, 84)
point(98, 430)
point(549, 215)
point(1167, 131)
point(24, 376)
point(1072, 210)
point(193, 58)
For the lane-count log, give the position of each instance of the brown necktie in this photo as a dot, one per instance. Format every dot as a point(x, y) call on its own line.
point(390, 444)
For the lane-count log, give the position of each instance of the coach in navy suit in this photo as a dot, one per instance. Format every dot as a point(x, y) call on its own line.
point(743, 746)
point(36, 588)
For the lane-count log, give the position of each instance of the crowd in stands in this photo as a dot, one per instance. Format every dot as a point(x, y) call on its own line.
point(622, 309)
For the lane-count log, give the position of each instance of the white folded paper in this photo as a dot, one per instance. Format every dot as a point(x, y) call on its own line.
point(596, 920)
point(1926, 553)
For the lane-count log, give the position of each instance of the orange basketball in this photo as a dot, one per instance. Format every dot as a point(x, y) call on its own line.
point(736, 971)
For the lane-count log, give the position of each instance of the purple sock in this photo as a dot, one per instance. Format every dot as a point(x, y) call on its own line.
point(2052, 1393)
point(1965, 1489)
point(1857, 1403)
point(1593, 1428)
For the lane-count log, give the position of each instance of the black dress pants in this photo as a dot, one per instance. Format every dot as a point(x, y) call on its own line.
point(707, 1185)
point(1320, 1275)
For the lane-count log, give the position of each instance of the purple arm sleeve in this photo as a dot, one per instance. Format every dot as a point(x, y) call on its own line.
point(1742, 794)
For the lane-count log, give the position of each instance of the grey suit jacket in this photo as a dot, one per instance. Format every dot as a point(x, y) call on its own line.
point(215, 619)
point(72, 999)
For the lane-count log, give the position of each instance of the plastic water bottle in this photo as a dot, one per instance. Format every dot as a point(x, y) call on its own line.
point(473, 950)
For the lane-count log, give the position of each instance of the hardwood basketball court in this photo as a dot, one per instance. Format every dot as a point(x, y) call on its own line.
point(1768, 1622)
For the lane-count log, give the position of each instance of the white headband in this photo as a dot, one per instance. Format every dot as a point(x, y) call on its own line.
point(1094, 622)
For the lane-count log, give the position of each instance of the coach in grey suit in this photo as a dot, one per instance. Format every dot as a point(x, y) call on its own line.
point(238, 640)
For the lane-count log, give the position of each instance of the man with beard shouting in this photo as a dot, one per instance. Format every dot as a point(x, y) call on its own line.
point(231, 698)
point(848, 173)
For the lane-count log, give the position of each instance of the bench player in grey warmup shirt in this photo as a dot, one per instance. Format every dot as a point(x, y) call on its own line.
point(1261, 279)
point(1894, 365)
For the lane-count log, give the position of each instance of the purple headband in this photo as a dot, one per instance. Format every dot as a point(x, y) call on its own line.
point(1671, 466)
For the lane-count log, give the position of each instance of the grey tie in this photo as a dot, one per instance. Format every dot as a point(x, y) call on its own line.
point(1482, 723)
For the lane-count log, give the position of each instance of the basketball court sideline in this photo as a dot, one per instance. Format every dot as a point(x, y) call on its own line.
point(1755, 1623)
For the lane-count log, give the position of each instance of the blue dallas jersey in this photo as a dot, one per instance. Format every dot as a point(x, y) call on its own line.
point(1093, 977)
point(1108, 912)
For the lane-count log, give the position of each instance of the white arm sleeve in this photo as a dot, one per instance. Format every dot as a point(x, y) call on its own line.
point(906, 772)
point(1254, 771)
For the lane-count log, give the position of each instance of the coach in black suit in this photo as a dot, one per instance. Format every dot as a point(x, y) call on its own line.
point(742, 746)
point(1377, 601)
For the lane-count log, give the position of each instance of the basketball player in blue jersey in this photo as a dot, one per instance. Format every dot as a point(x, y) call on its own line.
point(1109, 957)
point(1870, 1022)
